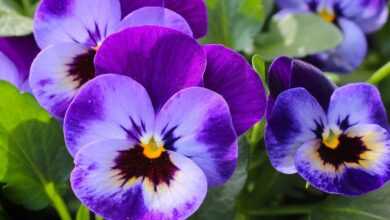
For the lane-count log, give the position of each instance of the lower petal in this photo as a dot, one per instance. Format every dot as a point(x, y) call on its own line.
point(350, 178)
point(196, 122)
point(57, 74)
point(98, 184)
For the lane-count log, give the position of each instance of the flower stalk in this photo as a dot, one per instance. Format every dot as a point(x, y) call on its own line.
point(57, 201)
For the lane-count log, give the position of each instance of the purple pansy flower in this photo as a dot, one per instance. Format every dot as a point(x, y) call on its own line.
point(149, 139)
point(16, 56)
point(355, 18)
point(336, 139)
point(155, 61)
point(70, 32)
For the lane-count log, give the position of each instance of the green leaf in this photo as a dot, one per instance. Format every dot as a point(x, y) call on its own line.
point(32, 149)
point(259, 65)
point(82, 213)
point(220, 202)
point(234, 23)
point(14, 24)
point(21, 7)
point(374, 206)
point(297, 35)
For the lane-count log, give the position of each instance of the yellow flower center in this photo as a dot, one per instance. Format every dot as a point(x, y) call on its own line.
point(330, 139)
point(153, 149)
point(327, 15)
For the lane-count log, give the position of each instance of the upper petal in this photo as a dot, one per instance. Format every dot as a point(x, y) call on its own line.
point(108, 107)
point(313, 80)
point(193, 11)
point(156, 16)
point(86, 22)
point(16, 56)
point(286, 73)
point(358, 103)
point(279, 75)
point(295, 119)
point(347, 56)
point(117, 188)
point(196, 122)
point(230, 75)
point(370, 15)
point(161, 59)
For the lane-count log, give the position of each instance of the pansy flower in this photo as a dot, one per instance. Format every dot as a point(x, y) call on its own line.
point(149, 140)
point(70, 32)
point(355, 18)
point(16, 56)
point(339, 143)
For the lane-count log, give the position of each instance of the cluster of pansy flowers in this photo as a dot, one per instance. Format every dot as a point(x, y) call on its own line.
point(354, 18)
point(152, 117)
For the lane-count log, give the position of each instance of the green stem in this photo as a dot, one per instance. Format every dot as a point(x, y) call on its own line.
point(57, 201)
point(281, 211)
point(380, 75)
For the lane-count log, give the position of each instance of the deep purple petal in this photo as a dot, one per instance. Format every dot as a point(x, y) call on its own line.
point(163, 60)
point(98, 183)
point(294, 120)
point(194, 11)
point(230, 75)
point(156, 16)
point(86, 22)
point(347, 56)
point(279, 75)
point(286, 73)
point(358, 103)
point(57, 74)
point(370, 15)
point(197, 123)
point(349, 178)
point(16, 56)
point(108, 107)
point(313, 80)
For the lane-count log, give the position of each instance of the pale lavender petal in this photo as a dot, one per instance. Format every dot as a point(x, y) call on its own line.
point(57, 74)
point(193, 11)
point(196, 122)
point(358, 103)
point(85, 22)
point(156, 16)
point(108, 107)
point(370, 15)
